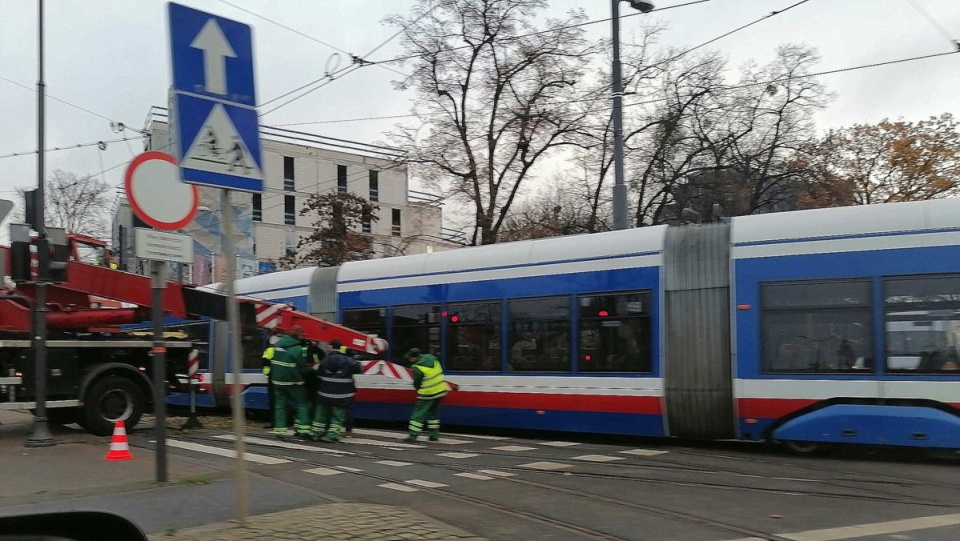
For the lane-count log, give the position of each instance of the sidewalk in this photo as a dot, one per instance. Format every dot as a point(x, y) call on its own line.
point(338, 521)
point(74, 475)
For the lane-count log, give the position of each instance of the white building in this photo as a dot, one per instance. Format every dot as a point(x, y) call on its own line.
point(296, 165)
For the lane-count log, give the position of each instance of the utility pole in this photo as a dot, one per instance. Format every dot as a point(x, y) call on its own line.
point(41, 432)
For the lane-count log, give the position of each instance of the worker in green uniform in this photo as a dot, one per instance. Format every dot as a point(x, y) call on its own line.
point(287, 368)
point(431, 388)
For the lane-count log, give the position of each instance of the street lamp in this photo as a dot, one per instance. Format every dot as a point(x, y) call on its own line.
point(619, 188)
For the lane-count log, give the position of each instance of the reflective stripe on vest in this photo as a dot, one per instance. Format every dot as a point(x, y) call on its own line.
point(433, 385)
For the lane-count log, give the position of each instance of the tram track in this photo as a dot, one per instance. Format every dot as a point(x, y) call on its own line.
point(890, 498)
point(568, 526)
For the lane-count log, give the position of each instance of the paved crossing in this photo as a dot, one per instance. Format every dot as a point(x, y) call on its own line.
point(362, 445)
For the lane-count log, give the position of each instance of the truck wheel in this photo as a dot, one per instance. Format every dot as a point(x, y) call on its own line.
point(110, 400)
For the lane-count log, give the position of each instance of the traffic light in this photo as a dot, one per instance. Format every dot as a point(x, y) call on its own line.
point(52, 256)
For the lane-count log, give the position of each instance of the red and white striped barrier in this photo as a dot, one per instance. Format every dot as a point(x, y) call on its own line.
point(269, 315)
point(193, 364)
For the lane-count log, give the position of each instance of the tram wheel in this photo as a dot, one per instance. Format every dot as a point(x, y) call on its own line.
point(807, 447)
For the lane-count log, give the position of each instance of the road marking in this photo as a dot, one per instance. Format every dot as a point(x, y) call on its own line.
point(426, 484)
point(396, 463)
point(349, 469)
point(513, 448)
point(324, 471)
point(284, 444)
point(597, 458)
point(546, 466)
point(871, 529)
point(378, 443)
point(381, 433)
point(476, 476)
point(397, 486)
point(559, 443)
point(498, 473)
point(481, 437)
point(229, 453)
point(458, 455)
point(643, 452)
point(400, 435)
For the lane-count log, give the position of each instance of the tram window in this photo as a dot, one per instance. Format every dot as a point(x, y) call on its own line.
point(473, 336)
point(367, 320)
point(819, 326)
point(415, 326)
point(252, 344)
point(615, 332)
point(922, 322)
point(539, 336)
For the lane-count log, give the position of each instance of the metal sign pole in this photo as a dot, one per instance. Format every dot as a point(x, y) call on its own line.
point(233, 322)
point(41, 433)
point(159, 361)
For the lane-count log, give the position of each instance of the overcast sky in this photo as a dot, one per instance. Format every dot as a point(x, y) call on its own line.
point(111, 57)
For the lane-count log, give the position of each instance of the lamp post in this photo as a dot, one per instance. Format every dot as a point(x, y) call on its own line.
point(619, 188)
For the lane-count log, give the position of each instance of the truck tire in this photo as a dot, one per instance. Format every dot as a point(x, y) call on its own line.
point(111, 399)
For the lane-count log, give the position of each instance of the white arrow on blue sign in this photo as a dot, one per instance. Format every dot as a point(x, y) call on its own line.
point(213, 111)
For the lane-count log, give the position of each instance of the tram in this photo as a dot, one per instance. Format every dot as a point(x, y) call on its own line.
point(837, 325)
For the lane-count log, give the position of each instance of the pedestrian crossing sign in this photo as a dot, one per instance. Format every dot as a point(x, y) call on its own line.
point(219, 144)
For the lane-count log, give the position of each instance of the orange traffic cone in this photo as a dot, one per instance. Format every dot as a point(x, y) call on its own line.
point(119, 450)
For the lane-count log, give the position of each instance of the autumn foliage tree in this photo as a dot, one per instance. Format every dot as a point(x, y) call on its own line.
point(337, 236)
point(883, 163)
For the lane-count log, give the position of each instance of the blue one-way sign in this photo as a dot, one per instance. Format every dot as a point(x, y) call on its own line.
point(213, 114)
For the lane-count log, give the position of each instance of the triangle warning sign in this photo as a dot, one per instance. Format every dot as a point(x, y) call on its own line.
point(218, 148)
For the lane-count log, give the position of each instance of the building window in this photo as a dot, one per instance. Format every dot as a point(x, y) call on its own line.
point(539, 334)
point(615, 333)
point(374, 185)
point(473, 337)
point(415, 326)
point(288, 183)
point(257, 207)
point(366, 223)
point(395, 223)
point(816, 326)
point(342, 179)
point(922, 316)
point(290, 209)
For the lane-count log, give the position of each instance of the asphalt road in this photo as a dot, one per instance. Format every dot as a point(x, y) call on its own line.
point(525, 488)
point(514, 486)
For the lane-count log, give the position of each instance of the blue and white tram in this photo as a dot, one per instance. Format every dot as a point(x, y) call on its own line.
point(828, 325)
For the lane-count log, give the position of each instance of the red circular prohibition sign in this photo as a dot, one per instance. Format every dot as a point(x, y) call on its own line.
point(163, 179)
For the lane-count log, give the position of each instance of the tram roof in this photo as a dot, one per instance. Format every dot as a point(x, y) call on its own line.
point(533, 252)
point(859, 220)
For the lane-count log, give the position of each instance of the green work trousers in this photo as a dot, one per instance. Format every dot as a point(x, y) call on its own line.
point(328, 422)
point(425, 412)
point(296, 394)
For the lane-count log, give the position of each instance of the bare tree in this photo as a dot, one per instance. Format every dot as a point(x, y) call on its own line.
point(495, 96)
point(79, 204)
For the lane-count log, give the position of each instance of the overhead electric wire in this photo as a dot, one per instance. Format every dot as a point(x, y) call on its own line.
point(933, 22)
point(78, 145)
point(67, 103)
point(586, 23)
point(299, 33)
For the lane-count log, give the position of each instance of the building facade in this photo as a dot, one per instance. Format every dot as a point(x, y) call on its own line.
point(297, 165)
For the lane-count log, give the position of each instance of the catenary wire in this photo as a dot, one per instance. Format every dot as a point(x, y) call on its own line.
point(555, 29)
point(933, 22)
point(67, 103)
